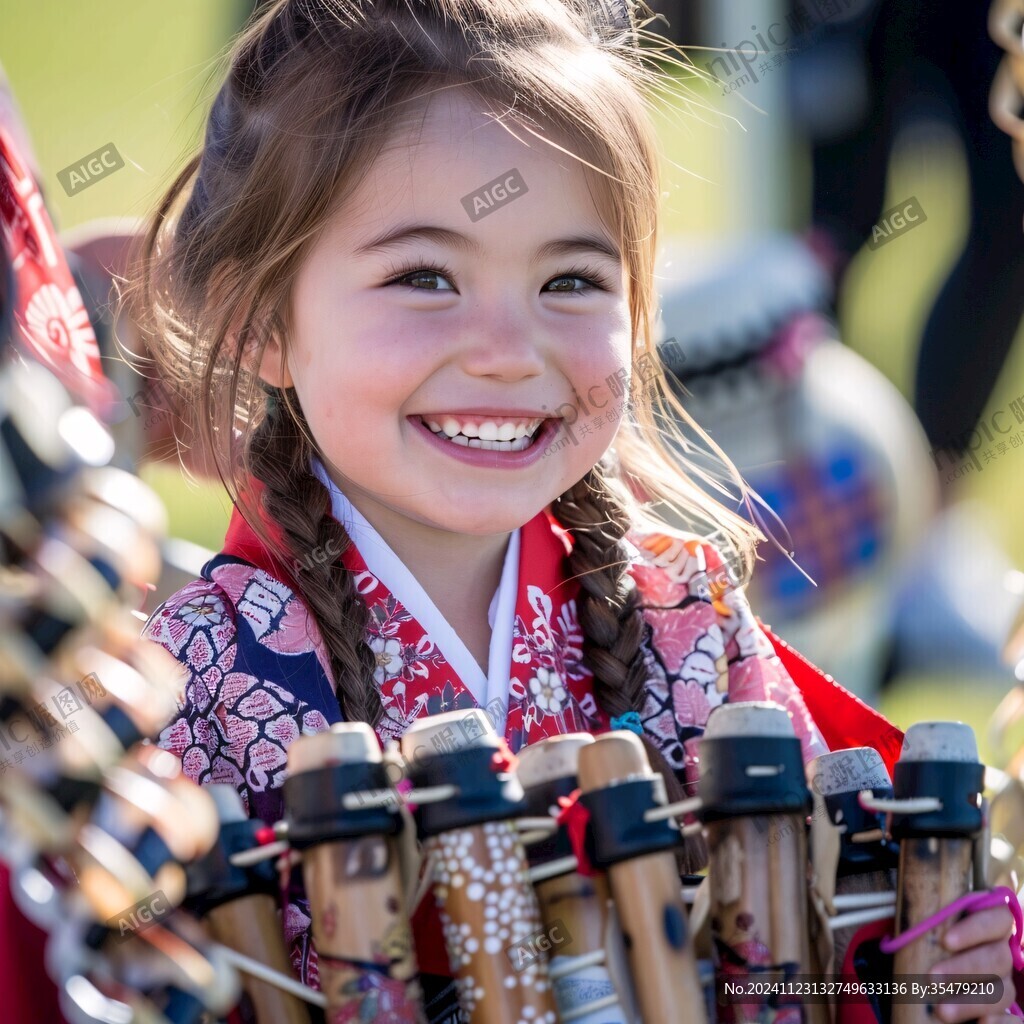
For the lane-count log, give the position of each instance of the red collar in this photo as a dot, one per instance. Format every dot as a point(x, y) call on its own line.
point(550, 689)
point(843, 719)
point(543, 532)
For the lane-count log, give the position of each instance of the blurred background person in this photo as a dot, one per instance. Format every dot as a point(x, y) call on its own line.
point(855, 82)
point(837, 453)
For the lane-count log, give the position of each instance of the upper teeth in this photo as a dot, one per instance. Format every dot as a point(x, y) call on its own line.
point(489, 430)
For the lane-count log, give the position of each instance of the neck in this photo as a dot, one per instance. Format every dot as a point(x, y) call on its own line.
point(460, 572)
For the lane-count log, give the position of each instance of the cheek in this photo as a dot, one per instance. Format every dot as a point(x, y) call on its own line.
point(599, 360)
point(351, 410)
point(600, 378)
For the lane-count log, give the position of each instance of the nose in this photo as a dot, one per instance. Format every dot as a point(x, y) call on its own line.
point(503, 343)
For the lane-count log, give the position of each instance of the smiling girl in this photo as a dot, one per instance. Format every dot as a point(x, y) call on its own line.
point(396, 362)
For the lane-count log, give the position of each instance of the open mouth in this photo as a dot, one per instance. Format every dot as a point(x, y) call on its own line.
point(489, 435)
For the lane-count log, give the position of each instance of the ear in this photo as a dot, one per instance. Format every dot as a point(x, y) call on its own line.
point(273, 365)
point(273, 368)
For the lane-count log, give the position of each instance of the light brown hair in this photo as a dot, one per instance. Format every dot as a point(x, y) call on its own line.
point(314, 91)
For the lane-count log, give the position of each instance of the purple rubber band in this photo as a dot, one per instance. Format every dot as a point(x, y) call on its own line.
point(1000, 895)
point(404, 786)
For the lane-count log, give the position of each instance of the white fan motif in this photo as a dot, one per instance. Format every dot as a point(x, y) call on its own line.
point(58, 326)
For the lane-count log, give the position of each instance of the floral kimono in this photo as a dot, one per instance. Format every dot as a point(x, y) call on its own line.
point(260, 674)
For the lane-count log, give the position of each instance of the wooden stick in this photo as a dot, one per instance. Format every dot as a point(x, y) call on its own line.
point(933, 873)
point(492, 925)
point(240, 910)
point(755, 806)
point(851, 857)
point(758, 900)
point(258, 969)
point(362, 936)
point(249, 926)
point(645, 887)
point(573, 906)
point(939, 759)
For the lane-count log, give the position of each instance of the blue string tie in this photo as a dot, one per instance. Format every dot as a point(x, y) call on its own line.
point(630, 720)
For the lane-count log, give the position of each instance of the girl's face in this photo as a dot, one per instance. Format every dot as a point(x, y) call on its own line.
point(410, 313)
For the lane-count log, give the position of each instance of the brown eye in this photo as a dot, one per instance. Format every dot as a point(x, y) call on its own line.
point(411, 274)
point(424, 276)
point(592, 280)
point(567, 278)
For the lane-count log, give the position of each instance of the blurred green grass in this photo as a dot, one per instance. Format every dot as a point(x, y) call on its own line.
point(142, 76)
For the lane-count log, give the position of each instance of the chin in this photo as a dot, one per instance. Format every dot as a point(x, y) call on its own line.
point(485, 519)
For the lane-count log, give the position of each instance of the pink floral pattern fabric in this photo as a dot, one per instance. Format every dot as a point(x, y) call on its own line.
point(259, 675)
point(549, 689)
point(706, 648)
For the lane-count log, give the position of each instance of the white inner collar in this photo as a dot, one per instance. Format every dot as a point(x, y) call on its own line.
point(490, 691)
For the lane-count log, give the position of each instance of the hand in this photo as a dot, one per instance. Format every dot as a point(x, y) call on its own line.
point(980, 944)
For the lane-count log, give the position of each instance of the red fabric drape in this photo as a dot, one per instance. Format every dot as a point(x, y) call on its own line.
point(844, 719)
point(28, 995)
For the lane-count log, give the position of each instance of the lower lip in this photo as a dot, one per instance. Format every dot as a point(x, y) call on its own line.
point(492, 459)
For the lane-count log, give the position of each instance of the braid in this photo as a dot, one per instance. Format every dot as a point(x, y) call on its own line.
point(300, 504)
point(613, 624)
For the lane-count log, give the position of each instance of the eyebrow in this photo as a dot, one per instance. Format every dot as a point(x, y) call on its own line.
point(463, 243)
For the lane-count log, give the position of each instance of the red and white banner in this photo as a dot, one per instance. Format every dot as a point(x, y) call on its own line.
point(53, 324)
